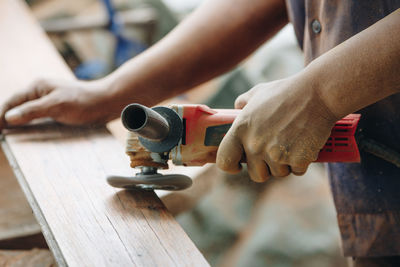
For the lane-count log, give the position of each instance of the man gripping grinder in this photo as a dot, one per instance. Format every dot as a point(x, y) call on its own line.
point(352, 55)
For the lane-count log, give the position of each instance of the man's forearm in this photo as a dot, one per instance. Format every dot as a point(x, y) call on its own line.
point(361, 70)
point(209, 42)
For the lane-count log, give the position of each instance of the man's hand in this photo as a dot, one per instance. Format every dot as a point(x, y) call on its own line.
point(281, 129)
point(69, 102)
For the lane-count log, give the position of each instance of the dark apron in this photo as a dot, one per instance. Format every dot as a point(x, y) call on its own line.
point(366, 195)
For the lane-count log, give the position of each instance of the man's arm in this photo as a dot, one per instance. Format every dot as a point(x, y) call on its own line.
point(284, 124)
point(361, 70)
point(216, 37)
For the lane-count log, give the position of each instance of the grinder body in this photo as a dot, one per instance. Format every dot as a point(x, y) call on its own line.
point(203, 129)
point(189, 135)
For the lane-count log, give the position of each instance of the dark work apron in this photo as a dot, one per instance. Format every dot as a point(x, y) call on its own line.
point(366, 195)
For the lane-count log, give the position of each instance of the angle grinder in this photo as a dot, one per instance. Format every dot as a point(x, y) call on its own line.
point(189, 135)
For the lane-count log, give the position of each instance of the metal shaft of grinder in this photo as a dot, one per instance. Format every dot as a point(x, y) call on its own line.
point(145, 122)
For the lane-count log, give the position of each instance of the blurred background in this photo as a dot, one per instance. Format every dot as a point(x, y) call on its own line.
point(233, 221)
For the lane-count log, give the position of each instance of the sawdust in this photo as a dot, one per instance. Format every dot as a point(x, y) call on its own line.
point(139, 155)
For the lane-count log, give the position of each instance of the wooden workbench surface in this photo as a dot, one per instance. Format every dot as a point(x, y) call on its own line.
point(62, 171)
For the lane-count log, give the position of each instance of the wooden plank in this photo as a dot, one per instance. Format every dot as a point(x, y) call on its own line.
point(62, 171)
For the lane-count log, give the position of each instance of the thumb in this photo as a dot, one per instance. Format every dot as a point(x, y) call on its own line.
point(28, 111)
point(241, 101)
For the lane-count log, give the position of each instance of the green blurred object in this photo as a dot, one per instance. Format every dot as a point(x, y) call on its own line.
point(232, 85)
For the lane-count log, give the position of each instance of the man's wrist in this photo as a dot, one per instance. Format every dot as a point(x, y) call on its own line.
point(317, 87)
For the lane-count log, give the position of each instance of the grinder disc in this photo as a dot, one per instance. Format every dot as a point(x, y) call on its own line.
point(151, 181)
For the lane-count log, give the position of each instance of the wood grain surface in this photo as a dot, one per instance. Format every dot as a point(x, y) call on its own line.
point(62, 171)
